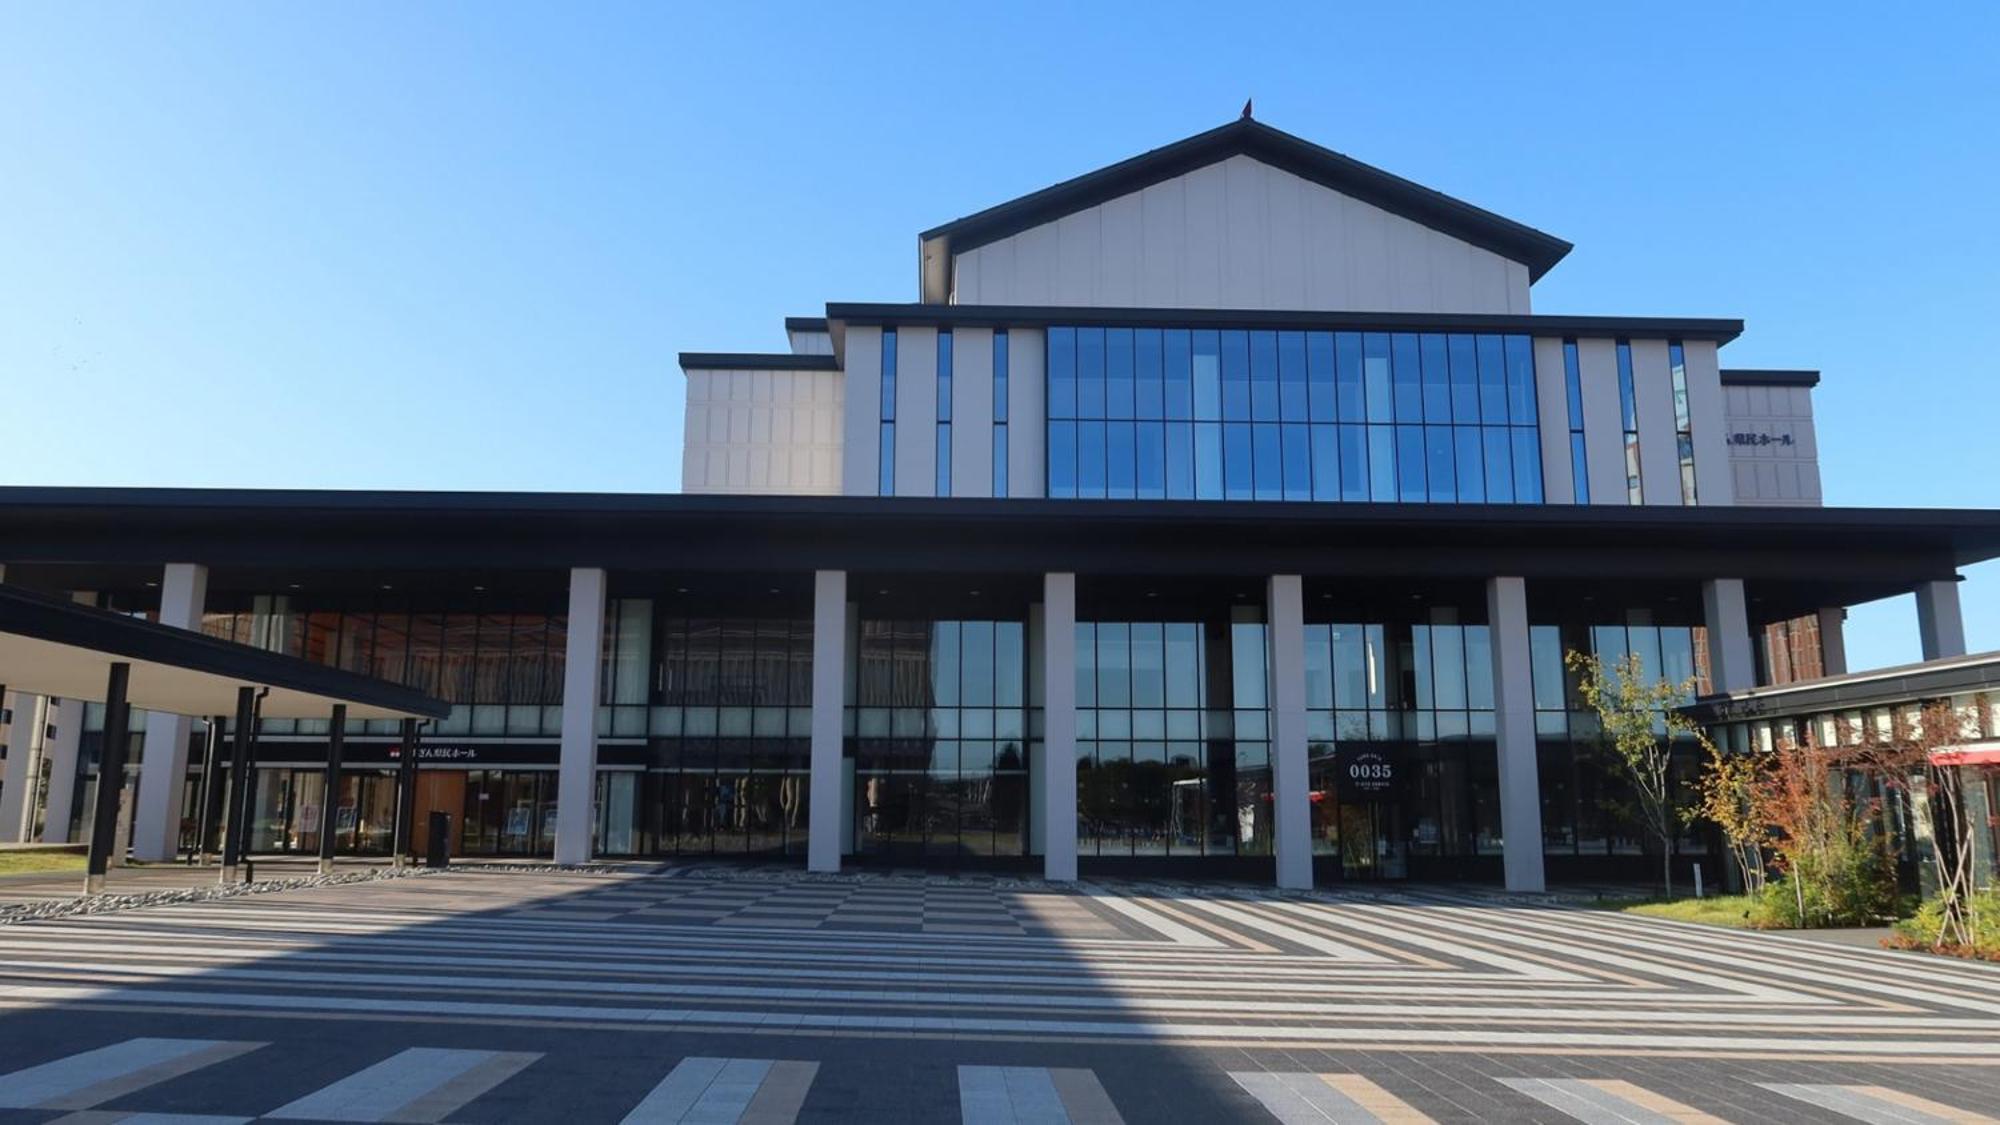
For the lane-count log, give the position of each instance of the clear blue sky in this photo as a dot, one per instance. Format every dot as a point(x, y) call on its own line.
point(457, 245)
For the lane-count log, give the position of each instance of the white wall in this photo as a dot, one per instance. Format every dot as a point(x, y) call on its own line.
point(1240, 234)
point(1713, 483)
point(810, 343)
point(860, 450)
point(972, 412)
point(1773, 451)
point(763, 432)
point(1027, 428)
point(1552, 417)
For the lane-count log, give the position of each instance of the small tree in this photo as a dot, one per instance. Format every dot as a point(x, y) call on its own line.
point(1916, 748)
point(1727, 796)
point(1822, 836)
point(1639, 721)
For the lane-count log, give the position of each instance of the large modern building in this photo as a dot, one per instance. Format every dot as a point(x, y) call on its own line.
point(1227, 510)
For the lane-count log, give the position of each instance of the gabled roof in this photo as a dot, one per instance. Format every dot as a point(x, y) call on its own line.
point(1244, 137)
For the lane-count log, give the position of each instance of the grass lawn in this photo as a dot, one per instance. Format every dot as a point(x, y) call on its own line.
point(1715, 910)
point(33, 862)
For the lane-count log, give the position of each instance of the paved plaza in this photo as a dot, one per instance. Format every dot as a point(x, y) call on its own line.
point(709, 996)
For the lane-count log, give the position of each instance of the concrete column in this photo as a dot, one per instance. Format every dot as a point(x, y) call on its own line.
point(1833, 640)
point(17, 813)
point(1291, 798)
point(163, 768)
point(1732, 663)
point(66, 716)
point(829, 698)
point(1514, 734)
point(1939, 621)
point(1059, 726)
point(576, 793)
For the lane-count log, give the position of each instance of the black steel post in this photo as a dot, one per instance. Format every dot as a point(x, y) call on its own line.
point(406, 796)
point(336, 742)
point(110, 776)
point(212, 788)
point(236, 820)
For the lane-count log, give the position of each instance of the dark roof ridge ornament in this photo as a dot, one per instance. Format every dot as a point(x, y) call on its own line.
point(1246, 108)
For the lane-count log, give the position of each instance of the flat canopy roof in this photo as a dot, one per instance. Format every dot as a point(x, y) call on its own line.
point(1795, 560)
point(57, 648)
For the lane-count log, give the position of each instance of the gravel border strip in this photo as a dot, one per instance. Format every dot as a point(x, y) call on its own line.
point(216, 892)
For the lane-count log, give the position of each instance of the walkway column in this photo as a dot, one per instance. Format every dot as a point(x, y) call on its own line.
point(1939, 621)
point(1833, 641)
point(1058, 779)
point(829, 703)
point(236, 815)
point(1514, 734)
point(1732, 667)
point(110, 777)
point(405, 843)
point(576, 790)
point(66, 716)
point(156, 830)
point(1291, 798)
point(329, 803)
point(17, 809)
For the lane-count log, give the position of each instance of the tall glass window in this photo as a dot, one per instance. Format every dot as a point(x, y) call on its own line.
point(1628, 413)
point(1407, 417)
point(1173, 755)
point(885, 483)
point(1683, 425)
point(1579, 465)
point(1000, 412)
point(940, 738)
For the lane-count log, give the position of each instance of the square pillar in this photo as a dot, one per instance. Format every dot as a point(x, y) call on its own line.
point(1732, 665)
point(1291, 798)
point(576, 787)
point(156, 828)
point(1833, 641)
point(66, 716)
point(829, 704)
point(1058, 779)
point(1514, 734)
point(1939, 622)
point(17, 813)
point(110, 779)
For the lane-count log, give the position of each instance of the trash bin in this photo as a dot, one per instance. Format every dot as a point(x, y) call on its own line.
point(438, 854)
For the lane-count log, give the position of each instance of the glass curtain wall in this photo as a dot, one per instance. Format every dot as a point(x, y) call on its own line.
point(939, 739)
point(731, 742)
point(1173, 750)
point(1411, 704)
point(1203, 414)
point(1588, 810)
point(500, 667)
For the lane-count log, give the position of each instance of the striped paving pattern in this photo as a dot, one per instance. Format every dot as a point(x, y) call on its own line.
point(1550, 1010)
point(434, 1084)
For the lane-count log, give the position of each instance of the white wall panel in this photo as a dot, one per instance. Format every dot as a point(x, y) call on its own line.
point(1659, 454)
point(1713, 483)
point(861, 411)
point(916, 411)
point(762, 432)
point(1552, 418)
point(1027, 415)
point(972, 412)
point(1603, 429)
point(1773, 452)
point(1240, 234)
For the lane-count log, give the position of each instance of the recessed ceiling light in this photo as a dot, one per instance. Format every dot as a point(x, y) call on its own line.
point(975, 593)
point(680, 589)
point(882, 592)
point(150, 585)
point(479, 589)
point(774, 589)
point(293, 586)
point(386, 586)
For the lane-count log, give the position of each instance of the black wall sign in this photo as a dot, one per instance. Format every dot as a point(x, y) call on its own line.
point(1365, 773)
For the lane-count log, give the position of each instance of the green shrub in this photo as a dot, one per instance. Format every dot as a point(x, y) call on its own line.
point(1920, 931)
point(1857, 887)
